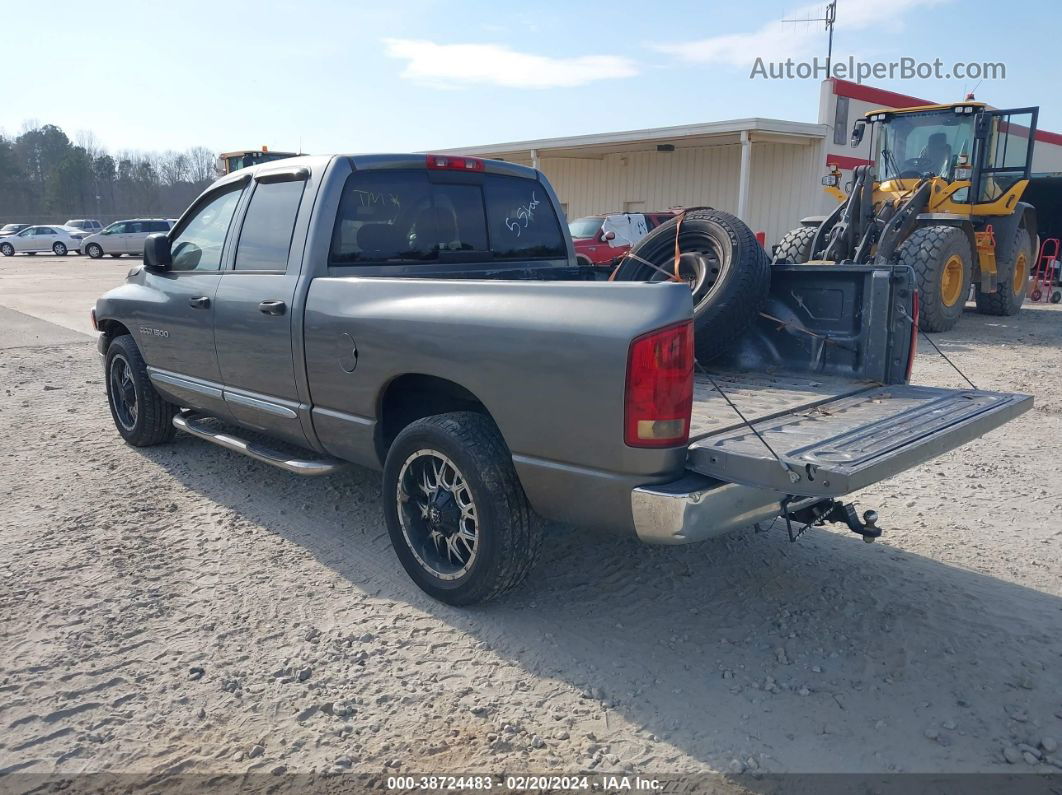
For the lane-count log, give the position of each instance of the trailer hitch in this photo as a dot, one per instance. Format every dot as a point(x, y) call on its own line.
point(829, 510)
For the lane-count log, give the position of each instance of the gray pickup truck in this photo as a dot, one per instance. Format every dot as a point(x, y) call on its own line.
point(425, 315)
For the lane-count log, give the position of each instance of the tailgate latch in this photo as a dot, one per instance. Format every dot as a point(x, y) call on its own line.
point(830, 510)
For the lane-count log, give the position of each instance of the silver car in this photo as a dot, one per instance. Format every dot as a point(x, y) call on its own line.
point(123, 237)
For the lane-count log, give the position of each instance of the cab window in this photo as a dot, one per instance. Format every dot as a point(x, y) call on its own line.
point(198, 245)
point(266, 234)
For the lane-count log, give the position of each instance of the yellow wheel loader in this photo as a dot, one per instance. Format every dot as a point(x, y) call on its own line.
point(942, 195)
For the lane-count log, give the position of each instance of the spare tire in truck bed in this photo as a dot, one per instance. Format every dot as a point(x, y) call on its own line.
point(725, 266)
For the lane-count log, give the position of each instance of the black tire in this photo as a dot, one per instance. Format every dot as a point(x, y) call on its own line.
point(152, 420)
point(94, 250)
point(795, 246)
point(59, 249)
point(728, 270)
point(7, 249)
point(31, 253)
point(942, 261)
point(116, 256)
point(507, 535)
point(1012, 279)
point(1056, 297)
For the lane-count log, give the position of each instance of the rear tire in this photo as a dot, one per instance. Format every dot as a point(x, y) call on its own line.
point(141, 415)
point(475, 471)
point(59, 249)
point(1012, 279)
point(725, 266)
point(94, 250)
point(942, 261)
point(795, 246)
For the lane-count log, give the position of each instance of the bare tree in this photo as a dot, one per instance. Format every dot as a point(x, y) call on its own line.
point(201, 164)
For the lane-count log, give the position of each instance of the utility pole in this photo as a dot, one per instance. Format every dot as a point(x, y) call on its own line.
point(829, 19)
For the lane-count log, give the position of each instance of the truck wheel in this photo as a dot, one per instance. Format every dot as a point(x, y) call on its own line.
point(941, 258)
point(795, 246)
point(456, 513)
point(1011, 279)
point(140, 414)
point(725, 266)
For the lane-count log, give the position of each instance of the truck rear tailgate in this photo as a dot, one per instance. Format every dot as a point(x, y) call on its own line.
point(835, 435)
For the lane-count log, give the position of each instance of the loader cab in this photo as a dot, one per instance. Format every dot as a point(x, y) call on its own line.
point(980, 156)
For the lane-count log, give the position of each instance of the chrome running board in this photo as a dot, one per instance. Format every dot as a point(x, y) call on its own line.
point(192, 423)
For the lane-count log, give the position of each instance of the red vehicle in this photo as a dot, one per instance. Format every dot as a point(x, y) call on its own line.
point(602, 240)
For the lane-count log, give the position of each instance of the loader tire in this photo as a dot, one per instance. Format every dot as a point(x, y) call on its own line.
point(942, 261)
point(725, 266)
point(1012, 279)
point(795, 246)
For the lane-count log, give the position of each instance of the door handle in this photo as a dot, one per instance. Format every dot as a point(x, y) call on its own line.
point(202, 302)
point(272, 307)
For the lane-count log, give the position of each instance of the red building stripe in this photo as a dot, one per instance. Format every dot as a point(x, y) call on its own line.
point(891, 99)
point(846, 162)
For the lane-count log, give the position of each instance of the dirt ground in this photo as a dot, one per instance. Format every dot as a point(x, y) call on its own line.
point(181, 609)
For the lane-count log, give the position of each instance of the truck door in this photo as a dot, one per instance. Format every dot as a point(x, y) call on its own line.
point(254, 314)
point(175, 328)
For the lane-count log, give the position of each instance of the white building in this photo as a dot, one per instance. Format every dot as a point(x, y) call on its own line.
point(767, 171)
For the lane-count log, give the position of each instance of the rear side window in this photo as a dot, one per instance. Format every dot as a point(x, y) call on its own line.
point(521, 220)
point(404, 217)
point(266, 235)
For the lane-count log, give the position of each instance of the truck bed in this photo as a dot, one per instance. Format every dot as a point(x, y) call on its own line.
point(761, 396)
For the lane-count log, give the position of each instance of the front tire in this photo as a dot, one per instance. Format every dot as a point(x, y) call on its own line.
point(94, 250)
point(59, 249)
point(942, 261)
point(7, 250)
point(456, 513)
point(1012, 280)
point(795, 246)
point(140, 414)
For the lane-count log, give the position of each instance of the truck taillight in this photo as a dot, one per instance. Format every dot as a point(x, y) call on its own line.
point(454, 163)
point(914, 337)
point(659, 390)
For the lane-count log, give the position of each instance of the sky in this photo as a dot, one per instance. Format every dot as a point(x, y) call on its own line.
point(411, 75)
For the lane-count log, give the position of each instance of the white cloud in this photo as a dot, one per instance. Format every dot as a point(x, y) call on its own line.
point(498, 65)
point(779, 40)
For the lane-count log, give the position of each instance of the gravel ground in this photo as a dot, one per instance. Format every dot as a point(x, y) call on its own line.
point(182, 609)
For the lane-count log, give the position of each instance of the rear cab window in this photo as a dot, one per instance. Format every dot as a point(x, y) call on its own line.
point(408, 217)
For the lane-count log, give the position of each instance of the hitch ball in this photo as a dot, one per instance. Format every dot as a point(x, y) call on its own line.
point(870, 519)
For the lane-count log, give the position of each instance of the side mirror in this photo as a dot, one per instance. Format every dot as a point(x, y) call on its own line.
point(609, 236)
point(157, 255)
point(857, 131)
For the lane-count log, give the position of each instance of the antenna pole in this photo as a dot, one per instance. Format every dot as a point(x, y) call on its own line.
point(831, 16)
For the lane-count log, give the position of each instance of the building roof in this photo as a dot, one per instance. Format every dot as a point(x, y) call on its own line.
point(714, 133)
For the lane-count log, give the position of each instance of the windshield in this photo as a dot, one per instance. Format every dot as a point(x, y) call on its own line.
point(586, 227)
point(913, 145)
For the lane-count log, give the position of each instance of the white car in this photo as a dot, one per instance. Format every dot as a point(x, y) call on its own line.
point(124, 237)
point(57, 239)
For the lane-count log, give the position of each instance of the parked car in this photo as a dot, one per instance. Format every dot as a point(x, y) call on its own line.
point(602, 240)
point(33, 239)
point(425, 315)
point(10, 229)
point(124, 237)
point(90, 225)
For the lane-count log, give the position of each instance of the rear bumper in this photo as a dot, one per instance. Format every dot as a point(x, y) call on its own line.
point(695, 508)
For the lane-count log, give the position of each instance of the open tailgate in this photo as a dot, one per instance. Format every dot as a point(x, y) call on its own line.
point(842, 445)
